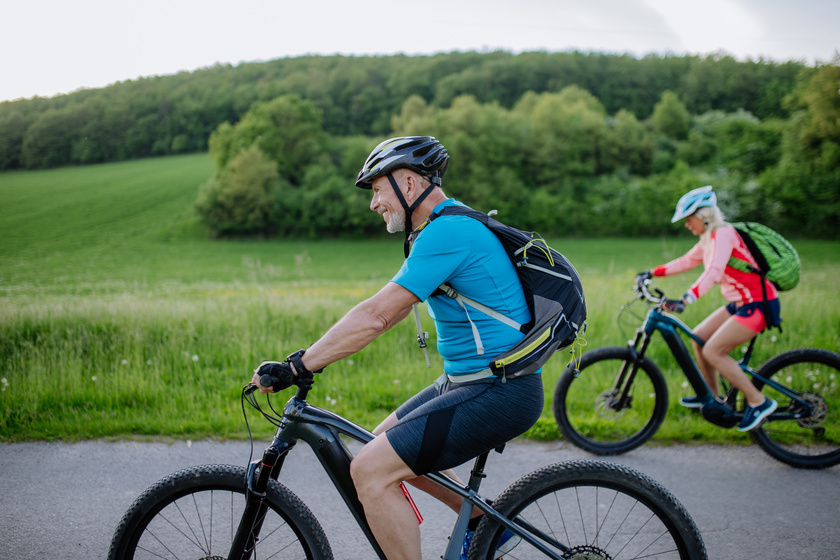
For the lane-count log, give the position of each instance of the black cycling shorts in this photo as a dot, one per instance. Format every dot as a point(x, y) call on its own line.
point(447, 424)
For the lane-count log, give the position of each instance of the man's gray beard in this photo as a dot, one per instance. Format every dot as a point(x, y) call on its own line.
point(396, 222)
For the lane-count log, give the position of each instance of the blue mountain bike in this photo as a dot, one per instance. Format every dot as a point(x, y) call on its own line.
point(616, 398)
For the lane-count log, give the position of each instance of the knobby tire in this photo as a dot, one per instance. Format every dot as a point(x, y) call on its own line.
point(195, 512)
point(807, 443)
point(597, 510)
point(582, 403)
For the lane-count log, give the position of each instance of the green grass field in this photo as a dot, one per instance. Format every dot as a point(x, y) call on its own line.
point(119, 318)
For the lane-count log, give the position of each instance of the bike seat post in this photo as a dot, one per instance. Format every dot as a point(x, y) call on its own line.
point(460, 529)
point(748, 354)
point(477, 473)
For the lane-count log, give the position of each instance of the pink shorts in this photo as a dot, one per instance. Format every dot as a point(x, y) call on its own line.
point(751, 315)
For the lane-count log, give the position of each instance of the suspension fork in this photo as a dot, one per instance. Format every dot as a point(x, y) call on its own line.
point(627, 374)
point(256, 480)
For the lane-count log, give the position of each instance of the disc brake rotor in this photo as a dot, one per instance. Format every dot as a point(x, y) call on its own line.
point(604, 405)
point(819, 408)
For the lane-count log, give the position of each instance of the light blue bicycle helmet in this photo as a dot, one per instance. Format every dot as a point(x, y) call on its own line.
point(694, 200)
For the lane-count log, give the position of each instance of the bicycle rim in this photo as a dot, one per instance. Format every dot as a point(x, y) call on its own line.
point(596, 511)
point(810, 441)
point(195, 513)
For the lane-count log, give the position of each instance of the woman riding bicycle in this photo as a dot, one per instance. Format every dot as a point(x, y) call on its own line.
point(733, 324)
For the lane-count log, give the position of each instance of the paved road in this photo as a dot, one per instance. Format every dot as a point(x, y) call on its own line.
point(64, 500)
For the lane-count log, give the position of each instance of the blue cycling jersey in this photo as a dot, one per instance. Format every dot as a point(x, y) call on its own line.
point(465, 254)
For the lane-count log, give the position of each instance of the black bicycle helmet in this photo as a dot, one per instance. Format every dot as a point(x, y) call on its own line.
point(422, 154)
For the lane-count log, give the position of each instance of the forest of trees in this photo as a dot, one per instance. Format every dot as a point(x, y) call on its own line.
point(564, 143)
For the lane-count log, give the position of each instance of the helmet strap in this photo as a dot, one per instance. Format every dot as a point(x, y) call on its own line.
point(409, 210)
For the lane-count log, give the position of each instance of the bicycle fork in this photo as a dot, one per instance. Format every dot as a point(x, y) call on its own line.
point(621, 397)
point(256, 481)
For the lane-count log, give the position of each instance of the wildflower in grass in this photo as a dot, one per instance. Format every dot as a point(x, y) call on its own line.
point(195, 358)
point(685, 384)
point(5, 383)
point(93, 378)
point(124, 362)
point(148, 362)
point(773, 338)
point(396, 381)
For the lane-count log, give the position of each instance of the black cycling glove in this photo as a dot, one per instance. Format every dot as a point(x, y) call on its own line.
point(277, 375)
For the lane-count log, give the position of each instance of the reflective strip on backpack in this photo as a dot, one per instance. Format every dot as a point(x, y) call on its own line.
point(526, 350)
point(545, 271)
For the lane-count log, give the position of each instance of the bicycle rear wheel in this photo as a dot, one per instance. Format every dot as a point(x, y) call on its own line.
point(194, 513)
point(804, 441)
point(587, 408)
point(595, 511)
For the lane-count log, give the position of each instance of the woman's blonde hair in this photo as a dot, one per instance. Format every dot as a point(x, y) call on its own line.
point(713, 218)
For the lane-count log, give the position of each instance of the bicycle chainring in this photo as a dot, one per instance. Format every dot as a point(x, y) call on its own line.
point(820, 408)
point(586, 552)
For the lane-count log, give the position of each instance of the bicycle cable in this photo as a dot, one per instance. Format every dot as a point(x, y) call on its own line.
point(248, 396)
point(626, 322)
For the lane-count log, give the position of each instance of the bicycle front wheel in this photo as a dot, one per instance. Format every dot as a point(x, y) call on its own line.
point(195, 513)
point(802, 436)
point(589, 408)
point(592, 510)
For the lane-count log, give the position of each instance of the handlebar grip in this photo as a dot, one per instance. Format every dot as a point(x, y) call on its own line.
point(277, 375)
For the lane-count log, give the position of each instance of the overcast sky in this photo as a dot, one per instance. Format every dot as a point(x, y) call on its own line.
point(55, 46)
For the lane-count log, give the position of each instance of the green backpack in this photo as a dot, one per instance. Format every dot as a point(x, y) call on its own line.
point(776, 258)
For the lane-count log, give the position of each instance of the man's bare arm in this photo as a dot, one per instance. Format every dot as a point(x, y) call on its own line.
point(361, 326)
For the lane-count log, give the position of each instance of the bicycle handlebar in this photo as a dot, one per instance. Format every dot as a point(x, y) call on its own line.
point(278, 383)
point(644, 288)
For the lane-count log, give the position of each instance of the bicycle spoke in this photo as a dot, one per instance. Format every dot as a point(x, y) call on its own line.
point(604, 521)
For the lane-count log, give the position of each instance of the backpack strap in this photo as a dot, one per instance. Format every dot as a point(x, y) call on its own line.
point(461, 299)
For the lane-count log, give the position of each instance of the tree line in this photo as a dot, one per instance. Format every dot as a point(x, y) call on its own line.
point(567, 144)
point(358, 95)
point(555, 162)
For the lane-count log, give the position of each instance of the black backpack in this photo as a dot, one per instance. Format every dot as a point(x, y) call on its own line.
point(552, 290)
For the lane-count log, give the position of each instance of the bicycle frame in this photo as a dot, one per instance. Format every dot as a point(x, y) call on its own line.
point(670, 327)
point(322, 431)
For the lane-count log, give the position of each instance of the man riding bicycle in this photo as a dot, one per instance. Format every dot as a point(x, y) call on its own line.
point(467, 410)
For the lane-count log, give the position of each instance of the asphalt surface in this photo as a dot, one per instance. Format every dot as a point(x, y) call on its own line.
point(60, 500)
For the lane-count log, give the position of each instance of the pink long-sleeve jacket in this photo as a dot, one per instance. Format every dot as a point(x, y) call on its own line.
point(735, 285)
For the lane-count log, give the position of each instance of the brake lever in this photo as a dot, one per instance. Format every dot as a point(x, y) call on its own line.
point(250, 388)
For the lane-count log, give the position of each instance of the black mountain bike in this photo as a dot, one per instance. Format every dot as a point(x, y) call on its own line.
point(574, 510)
point(616, 398)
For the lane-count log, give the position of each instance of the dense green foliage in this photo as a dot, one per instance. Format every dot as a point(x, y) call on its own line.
point(557, 163)
point(563, 143)
point(358, 95)
point(118, 318)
